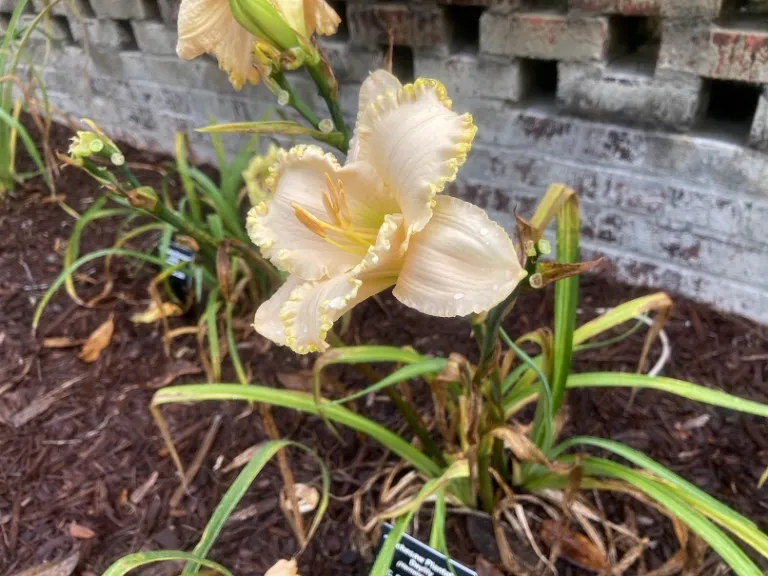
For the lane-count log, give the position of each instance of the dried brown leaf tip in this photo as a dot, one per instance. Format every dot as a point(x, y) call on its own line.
point(80, 532)
point(573, 546)
point(98, 341)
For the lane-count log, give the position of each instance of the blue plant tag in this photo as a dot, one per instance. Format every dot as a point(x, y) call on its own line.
point(413, 558)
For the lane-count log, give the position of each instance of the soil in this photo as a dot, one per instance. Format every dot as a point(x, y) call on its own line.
point(89, 454)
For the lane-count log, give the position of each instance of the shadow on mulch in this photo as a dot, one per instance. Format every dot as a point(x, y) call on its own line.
point(88, 457)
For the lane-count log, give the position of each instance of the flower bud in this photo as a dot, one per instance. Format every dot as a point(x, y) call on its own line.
point(261, 19)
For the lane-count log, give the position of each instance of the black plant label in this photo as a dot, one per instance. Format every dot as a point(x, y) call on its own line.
point(414, 558)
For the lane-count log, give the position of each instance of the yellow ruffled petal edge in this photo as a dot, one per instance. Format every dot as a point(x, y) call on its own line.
point(306, 323)
point(263, 236)
point(388, 101)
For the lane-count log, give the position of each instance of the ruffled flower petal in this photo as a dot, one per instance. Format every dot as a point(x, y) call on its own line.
point(300, 178)
point(208, 26)
point(377, 84)
point(320, 17)
point(460, 263)
point(313, 307)
point(416, 143)
point(267, 321)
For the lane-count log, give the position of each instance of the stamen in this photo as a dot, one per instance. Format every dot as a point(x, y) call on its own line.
point(334, 195)
point(343, 204)
point(312, 223)
point(329, 209)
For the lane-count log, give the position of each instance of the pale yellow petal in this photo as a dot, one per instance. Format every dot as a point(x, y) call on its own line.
point(460, 263)
point(318, 16)
point(416, 143)
point(267, 321)
point(313, 307)
point(283, 568)
point(207, 26)
point(301, 178)
point(377, 84)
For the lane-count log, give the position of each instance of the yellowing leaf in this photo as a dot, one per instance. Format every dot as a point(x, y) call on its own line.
point(98, 341)
point(155, 313)
point(283, 568)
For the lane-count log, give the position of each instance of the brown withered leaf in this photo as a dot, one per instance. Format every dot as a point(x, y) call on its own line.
point(574, 546)
point(61, 342)
point(155, 313)
point(80, 532)
point(307, 498)
point(554, 271)
point(98, 341)
point(301, 380)
point(63, 567)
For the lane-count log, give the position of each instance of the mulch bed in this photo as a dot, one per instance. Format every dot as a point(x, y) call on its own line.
point(83, 458)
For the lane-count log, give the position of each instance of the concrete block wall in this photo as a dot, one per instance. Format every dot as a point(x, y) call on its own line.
point(655, 111)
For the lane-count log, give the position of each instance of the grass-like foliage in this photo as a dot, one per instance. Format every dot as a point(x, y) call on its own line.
point(228, 277)
point(479, 455)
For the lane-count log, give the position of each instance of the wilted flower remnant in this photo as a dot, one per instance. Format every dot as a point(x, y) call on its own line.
point(345, 233)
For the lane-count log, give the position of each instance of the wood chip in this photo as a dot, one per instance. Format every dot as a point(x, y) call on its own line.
point(98, 341)
point(80, 532)
point(301, 380)
point(42, 403)
point(242, 459)
point(63, 567)
point(175, 370)
point(138, 495)
point(61, 342)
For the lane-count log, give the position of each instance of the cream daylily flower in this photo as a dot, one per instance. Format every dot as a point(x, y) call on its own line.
point(209, 26)
point(345, 233)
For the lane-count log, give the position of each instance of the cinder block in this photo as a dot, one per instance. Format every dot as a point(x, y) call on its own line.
point(691, 8)
point(101, 32)
point(169, 11)
point(666, 100)
point(8, 6)
point(472, 76)
point(411, 25)
point(54, 28)
point(154, 37)
point(65, 8)
point(545, 35)
point(125, 9)
point(713, 51)
point(625, 7)
point(758, 136)
point(351, 63)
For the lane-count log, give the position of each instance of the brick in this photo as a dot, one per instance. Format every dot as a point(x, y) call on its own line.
point(472, 76)
point(154, 37)
point(715, 52)
point(351, 63)
point(75, 8)
point(666, 100)
point(54, 28)
point(411, 25)
point(626, 7)
point(101, 32)
point(125, 9)
point(545, 36)
point(758, 136)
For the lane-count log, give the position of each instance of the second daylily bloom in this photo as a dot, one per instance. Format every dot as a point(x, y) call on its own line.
point(229, 29)
point(345, 233)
